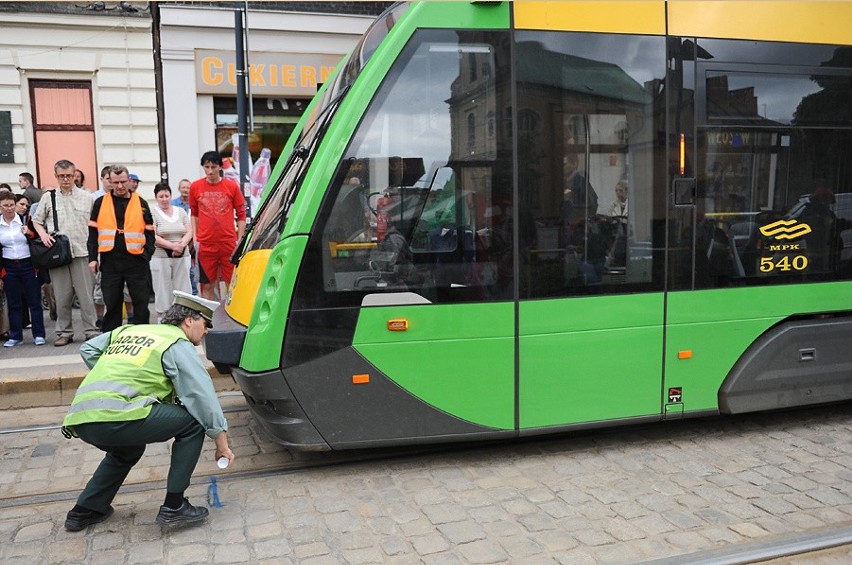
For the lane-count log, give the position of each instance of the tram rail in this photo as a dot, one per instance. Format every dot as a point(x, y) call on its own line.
point(199, 478)
point(764, 550)
point(307, 461)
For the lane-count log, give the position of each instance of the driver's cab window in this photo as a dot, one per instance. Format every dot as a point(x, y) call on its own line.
point(417, 205)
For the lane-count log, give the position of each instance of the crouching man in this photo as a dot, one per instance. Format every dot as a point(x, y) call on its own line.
point(146, 384)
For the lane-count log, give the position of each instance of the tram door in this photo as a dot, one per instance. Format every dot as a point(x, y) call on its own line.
point(591, 202)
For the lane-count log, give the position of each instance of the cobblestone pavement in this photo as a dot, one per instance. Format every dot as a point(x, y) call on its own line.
point(615, 496)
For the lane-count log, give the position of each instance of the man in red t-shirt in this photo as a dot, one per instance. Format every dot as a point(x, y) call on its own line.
point(214, 204)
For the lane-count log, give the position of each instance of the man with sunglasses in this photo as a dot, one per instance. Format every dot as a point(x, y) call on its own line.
point(147, 385)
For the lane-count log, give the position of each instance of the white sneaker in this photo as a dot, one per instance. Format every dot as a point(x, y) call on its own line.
point(39, 341)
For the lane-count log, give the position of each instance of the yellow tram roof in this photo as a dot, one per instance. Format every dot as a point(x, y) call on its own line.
point(801, 22)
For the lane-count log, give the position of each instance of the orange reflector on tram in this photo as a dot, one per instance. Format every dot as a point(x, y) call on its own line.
point(360, 379)
point(682, 154)
point(686, 354)
point(398, 324)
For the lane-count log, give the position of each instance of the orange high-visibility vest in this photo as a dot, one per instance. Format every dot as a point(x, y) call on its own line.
point(134, 225)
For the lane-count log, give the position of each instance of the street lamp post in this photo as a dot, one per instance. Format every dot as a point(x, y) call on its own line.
point(242, 130)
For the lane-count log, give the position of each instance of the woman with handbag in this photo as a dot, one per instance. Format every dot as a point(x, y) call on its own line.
point(23, 207)
point(171, 261)
point(19, 278)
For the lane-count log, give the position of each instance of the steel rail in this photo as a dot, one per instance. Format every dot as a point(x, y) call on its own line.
point(324, 460)
point(764, 550)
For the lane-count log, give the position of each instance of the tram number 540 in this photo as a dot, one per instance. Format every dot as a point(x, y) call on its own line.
point(785, 263)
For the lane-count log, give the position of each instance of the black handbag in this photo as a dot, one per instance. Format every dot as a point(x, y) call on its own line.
point(56, 255)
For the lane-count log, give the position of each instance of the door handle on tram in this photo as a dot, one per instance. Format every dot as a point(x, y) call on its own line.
point(683, 191)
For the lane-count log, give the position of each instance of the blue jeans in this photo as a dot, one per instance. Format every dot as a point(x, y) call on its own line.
point(193, 276)
point(20, 282)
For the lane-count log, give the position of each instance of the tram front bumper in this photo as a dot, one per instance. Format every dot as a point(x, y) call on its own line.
point(276, 410)
point(223, 344)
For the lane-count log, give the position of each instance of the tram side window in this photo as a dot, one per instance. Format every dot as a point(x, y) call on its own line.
point(590, 163)
point(774, 179)
point(426, 181)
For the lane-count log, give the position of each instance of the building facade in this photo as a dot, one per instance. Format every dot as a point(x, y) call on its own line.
point(289, 53)
point(152, 84)
point(76, 84)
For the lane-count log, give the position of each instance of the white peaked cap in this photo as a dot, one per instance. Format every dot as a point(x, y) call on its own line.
point(203, 306)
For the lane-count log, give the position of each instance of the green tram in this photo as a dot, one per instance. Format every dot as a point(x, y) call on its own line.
point(506, 219)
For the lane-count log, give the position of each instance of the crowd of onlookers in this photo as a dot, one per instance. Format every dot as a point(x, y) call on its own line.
point(124, 251)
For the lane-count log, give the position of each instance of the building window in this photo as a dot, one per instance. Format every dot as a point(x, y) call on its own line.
point(63, 127)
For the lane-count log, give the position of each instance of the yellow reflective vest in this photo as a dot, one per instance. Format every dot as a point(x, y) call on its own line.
point(128, 377)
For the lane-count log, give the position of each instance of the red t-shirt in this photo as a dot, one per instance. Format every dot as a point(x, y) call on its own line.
point(217, 206)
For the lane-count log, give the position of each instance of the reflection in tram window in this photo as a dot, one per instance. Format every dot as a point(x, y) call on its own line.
point(772, 165)
point(423, 199)
point(598, 131)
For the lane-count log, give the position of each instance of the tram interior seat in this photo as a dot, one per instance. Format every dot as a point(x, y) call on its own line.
point(390, 263)
point(742, 235)
point(724, 254)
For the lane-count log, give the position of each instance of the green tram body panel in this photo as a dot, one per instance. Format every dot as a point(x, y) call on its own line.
point(590, 359)
point(262, 348)
point(458, 358)
point(581, 359)
point(717, 326)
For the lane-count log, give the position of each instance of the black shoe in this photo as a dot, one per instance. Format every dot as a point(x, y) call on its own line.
point(76, 520)
point(186, 514)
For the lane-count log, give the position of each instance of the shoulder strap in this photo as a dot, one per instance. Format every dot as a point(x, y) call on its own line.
point(53, 210)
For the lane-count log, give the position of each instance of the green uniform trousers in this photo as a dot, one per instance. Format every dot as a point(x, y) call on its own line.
point(125, 442)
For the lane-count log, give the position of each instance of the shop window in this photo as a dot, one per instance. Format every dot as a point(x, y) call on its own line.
point(274, 121)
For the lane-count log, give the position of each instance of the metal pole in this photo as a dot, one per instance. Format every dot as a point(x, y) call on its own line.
point(158, 84)
point(248, 65)
point(242, 133)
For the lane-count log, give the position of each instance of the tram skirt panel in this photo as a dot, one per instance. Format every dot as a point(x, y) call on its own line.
point(797, 363)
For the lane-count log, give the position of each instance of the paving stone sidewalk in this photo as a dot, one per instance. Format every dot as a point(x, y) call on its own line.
point(45, 375)
point(616, 496)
